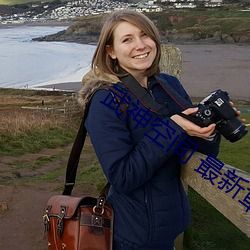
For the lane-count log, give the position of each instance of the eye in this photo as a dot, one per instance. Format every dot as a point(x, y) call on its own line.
point(144, 34)
point(127, 40)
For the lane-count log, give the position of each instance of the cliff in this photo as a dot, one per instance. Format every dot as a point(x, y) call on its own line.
point(173, 28)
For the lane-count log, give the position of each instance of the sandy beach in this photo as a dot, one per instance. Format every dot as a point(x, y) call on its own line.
point(206, 68)
point(209, 67)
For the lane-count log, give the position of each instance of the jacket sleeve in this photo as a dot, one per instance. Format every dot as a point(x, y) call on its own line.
point(125, 165)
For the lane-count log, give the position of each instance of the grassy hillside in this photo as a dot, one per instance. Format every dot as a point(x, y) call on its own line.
point(23, 131)
point(217, 26)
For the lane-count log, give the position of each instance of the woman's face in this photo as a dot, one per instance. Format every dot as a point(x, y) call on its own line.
point(134, 50)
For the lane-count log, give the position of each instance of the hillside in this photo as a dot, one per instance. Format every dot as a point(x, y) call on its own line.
point(173, 26)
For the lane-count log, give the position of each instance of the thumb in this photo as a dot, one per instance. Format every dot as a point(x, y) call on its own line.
point(190, 111)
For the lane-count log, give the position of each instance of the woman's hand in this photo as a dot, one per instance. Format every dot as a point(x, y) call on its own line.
point(238, 113)
point(190, 128)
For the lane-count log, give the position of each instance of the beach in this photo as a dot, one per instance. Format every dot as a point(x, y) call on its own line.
point(209, 67)
point(206, 68)
point(61, 65)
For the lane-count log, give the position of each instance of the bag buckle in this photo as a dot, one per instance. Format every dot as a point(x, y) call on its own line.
point(59, 224)
point(95, 212)
point(96, 221)
point(46, 221)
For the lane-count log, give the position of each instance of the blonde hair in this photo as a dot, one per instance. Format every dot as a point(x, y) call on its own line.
point(103, 62)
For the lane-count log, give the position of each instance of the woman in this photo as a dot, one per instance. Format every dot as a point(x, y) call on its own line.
point(150, 205)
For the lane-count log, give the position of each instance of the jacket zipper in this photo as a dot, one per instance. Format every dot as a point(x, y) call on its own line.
point(146, 198)
point(148, 204)
point(151, 93)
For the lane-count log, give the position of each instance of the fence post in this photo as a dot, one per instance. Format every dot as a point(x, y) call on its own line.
point(171, 60)
point(170, 63)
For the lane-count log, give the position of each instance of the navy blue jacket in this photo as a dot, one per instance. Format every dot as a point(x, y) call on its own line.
point(150, 205)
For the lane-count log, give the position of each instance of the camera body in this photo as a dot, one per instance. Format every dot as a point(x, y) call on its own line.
point(216, 108)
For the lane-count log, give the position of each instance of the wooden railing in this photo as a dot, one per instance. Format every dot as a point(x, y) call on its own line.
point(222, 201)
point(232, 209)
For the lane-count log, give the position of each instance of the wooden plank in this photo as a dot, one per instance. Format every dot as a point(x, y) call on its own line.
point(223, 202)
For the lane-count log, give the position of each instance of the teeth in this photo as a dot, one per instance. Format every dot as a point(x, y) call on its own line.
point(141, 56)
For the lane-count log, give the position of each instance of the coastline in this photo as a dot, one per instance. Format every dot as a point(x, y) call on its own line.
point(205, 68)
point(62, 86)
point(49, 23)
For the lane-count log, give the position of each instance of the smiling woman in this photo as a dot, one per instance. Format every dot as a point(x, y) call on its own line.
point(136, 145)
point(134, 50)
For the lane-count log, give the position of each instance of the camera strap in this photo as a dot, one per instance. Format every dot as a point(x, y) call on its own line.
point(180, 100)
point(146, 99)
point(142, 95)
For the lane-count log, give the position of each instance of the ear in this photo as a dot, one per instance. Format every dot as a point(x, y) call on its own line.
point(110, 52)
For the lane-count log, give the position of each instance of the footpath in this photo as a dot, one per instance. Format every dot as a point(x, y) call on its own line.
point(24, 194)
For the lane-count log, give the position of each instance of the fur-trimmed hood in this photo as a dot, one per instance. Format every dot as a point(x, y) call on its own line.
point(92, 81)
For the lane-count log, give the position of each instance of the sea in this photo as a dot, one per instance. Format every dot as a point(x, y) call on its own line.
point(26, 64)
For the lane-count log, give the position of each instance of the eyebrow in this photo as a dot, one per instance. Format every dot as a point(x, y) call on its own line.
point(129, 34)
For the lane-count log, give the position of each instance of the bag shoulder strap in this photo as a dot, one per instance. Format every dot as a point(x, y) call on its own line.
point(75, 154)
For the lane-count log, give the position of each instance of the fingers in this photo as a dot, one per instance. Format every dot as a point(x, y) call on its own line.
point(238, 112)
point(192, 129)
point(204, 132)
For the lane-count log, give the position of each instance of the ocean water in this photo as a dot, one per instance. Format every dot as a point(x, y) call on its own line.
point(27, 64)
point(205, 68)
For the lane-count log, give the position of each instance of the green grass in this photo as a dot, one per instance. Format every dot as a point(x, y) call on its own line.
point(221, 13)
point(237, 154)
point(203, 24)
point(51, 176)
point(34, 142)
point(39, 162)
point(210, 230)
point(91, 172)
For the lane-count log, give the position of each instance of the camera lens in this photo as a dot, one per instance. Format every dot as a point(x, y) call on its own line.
point(233, 130)
point(238, 133)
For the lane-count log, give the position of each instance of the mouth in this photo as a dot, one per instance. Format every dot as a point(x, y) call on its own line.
point(141, 56)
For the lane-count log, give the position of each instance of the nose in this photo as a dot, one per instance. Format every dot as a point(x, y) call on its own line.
point(140, 44)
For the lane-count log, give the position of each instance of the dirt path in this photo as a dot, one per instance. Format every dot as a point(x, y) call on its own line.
point(21, 225)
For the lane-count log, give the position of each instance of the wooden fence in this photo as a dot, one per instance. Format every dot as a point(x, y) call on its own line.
point(67, 109)
point(52, 109)
point(232, 209)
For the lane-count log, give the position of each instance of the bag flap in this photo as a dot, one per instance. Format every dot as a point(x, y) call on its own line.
point(68, 203)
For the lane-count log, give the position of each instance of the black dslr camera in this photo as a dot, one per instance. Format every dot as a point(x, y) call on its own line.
point(216, 109)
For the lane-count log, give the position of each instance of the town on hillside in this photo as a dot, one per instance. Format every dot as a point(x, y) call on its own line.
point(61, 11)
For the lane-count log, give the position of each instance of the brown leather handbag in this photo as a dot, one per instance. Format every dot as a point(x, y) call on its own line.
point(78, 223)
